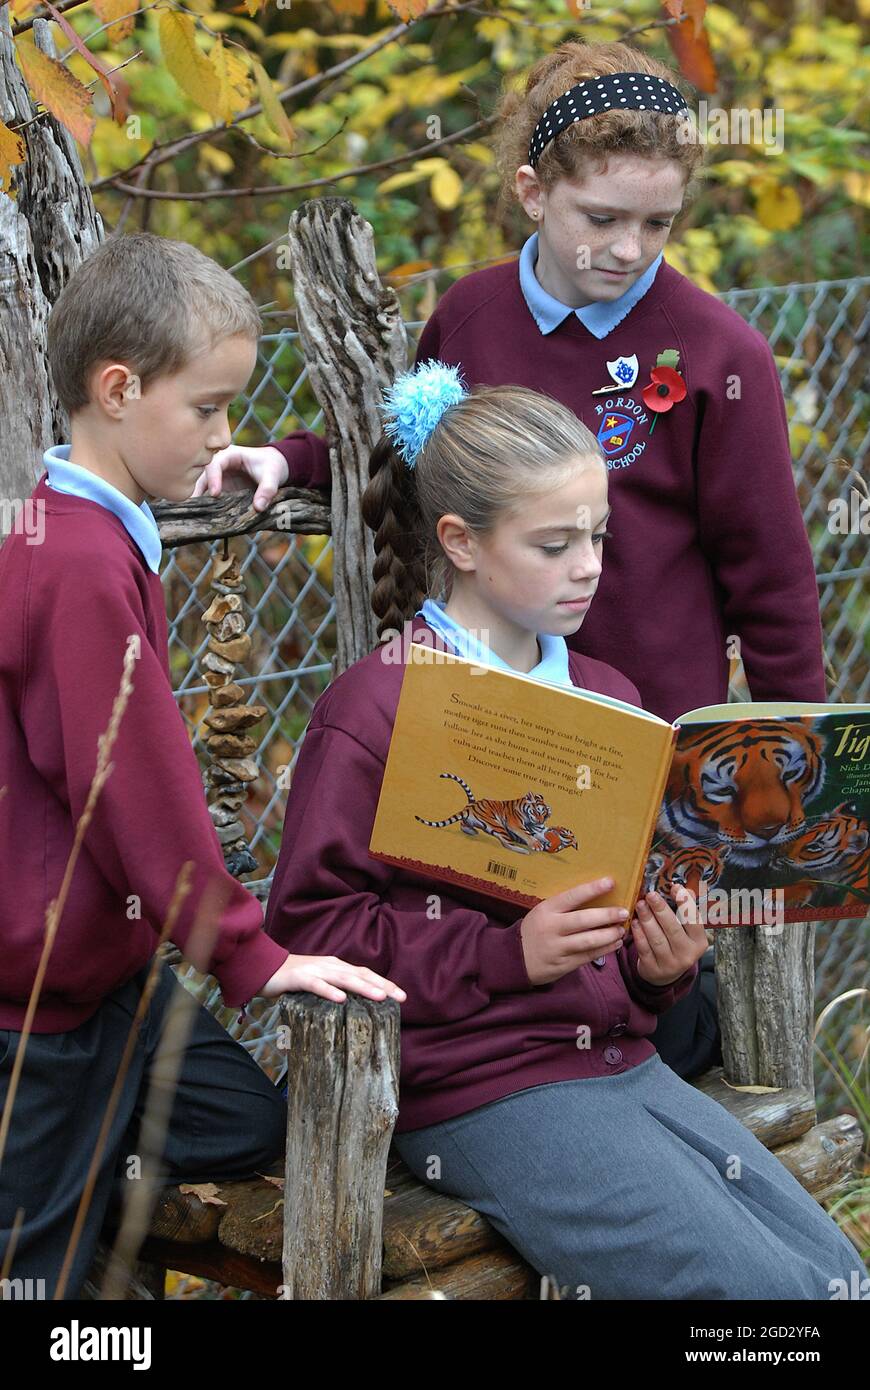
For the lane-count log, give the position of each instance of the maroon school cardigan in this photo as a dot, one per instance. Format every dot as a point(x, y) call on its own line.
point(68, 607)
point(473, 1027)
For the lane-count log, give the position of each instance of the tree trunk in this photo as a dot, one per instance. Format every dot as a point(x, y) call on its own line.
point(355, 345)
point(46, 231)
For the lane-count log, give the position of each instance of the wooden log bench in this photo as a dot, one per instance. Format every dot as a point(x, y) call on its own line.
point(353, 1222)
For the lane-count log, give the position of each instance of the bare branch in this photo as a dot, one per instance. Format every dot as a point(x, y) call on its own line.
point(161, 154)
point(255, 191)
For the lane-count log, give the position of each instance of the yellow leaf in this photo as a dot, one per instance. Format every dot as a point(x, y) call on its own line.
point(778, 207)
point(272, 108)
point(857, 185)
point(230, 72)
point(187, 63)
point(475, 149)
point(11, 152)
point(421, 169)
point(57, 89)
point(122, 12)
point(254, 6)
point(218, 160)
point(446, 188)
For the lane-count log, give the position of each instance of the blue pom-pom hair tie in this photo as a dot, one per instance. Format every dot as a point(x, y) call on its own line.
point(415, 402)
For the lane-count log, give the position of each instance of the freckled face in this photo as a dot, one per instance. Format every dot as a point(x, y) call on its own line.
point(538, 562)
point(597, 235)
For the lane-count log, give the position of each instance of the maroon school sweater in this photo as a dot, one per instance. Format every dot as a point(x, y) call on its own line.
point(473, 1027)
point(708, 538)
point(68, 606)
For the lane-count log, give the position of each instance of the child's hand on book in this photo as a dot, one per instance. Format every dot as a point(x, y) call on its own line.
point(666, 947)
point(560, 933)
point(329, 977)
point(236, 468)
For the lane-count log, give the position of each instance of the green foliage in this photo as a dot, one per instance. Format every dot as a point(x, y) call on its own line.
point(763, 214)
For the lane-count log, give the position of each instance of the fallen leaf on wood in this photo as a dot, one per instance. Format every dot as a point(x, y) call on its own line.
point(205, 1191)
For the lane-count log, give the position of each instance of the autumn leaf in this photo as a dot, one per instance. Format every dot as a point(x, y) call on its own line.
point(446, 187)
point(12, 151)
point(122, 12)
point(273, 1179)
point(55, 87)
point(231, 74)
point(857, 185)
point(191, 69)
point(778, 207)
point(400, 273)
point(690, 43)
point(117, 90)
point(206, 1192)
point(408, 9)
point(272, 107)
point(254, 6)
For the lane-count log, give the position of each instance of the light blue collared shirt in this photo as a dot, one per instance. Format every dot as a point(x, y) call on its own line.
point(552, 667)
point(600, 318)
point(64, 476)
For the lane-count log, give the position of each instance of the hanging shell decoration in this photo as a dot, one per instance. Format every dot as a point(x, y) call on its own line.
point(230, 747)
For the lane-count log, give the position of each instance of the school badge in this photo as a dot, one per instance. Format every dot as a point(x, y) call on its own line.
point(624, 372)
point(614, 431)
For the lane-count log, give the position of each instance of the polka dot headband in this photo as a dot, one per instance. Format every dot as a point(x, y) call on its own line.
point(629, 91)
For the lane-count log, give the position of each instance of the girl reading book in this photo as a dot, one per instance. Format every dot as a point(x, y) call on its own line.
point(683, 395)
point(530, 1087)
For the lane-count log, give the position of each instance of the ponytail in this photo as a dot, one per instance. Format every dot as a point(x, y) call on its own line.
point(390, 509)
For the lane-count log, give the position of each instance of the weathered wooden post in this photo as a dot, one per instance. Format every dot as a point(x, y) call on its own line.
point(342, 1106)
point(766, 988)
point(355, 345)
point(345, 1067)
point(46, 231)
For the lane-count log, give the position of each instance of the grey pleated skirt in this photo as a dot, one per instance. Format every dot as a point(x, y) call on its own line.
point(636, 1186)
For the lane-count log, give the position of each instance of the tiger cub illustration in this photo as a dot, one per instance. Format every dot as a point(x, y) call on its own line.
point(836, 848)
point(519, 825)
point(742, 789)
point(672, 865)
point(556, 838)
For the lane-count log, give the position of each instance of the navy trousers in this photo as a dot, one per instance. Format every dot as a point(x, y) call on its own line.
point(227, 1121)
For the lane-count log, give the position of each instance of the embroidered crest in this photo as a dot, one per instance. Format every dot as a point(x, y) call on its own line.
point(614, 431)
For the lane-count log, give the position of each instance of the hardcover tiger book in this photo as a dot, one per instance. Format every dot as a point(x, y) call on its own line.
point(520, 788)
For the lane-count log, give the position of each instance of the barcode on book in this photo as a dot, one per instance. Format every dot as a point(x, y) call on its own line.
point(503, 870)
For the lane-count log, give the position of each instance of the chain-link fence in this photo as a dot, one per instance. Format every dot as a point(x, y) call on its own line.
point(817, 333)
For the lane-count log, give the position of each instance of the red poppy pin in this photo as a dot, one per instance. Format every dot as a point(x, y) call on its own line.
point(666, 386)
